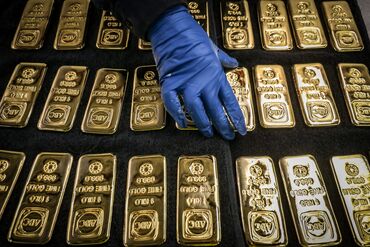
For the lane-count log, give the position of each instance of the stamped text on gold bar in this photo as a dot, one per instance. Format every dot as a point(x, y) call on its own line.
point(199, 10)
point(112, 34)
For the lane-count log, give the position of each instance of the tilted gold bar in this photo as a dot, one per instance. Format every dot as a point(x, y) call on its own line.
point(190, 125)
point(63, 99)
point(309, 202)
point(315, 97)
point(344, 34)
point(32, 26)
point(72, 25)
point(20, 94)
point(38, 208)
point(112, 34)
point(146, 201)
point(103, 111)
point(198, 202)
point(144, 45)
point(237, 32)
point(199, 10)
point(273, 100)
point(355, 83)
point(307, 27)
point(91, 210)
point(260, 203)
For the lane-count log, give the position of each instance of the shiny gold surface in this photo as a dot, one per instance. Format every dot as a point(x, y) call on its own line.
point(144, 45)
point(199, 10)
point(343, 31)
point(63, 99)
point(189, 121)
point(146, 201)
point(260, 202)
point(198, 203)
point(103, 111)
point(20, 94)
point(90, 215)
point(112, 34)
point(314, 94)
point(41, 199)
point(309, 202)
point(273, 100)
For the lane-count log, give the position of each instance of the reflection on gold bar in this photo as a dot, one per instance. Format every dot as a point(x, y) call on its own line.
point(344, 34)
point(112, 34)
point(147, 109)
point(72, 24)
point(355, 83)
point(146, 201)
point(309, 202)
point(38, 208)
point(307, 27)
point(91, 209)
point(273, 100)
point(198, 203)
point(144, 45)
point(64, 98)
point(237, 32)
point(199, 10)
point(32, 26)
point(20, 94)
point(104, 108)
point(315, 96)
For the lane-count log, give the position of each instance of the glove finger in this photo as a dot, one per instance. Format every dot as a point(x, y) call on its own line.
point(173, 106)
point(226, 60)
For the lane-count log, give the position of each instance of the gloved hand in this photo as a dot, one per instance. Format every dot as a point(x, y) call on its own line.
point(189, 64)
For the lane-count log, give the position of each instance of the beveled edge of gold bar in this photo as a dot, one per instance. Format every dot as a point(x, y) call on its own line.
point(141, 46)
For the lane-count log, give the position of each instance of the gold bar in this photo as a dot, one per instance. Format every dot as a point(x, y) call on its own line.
point(344, 34)
point(20, 94)
point(199, 10)
point(32, 26)
point(144, 45)
point(309, 202)
point(274, 26)
point(146, 201)
point(103, 111)
point(307, 27)
point(315, 97)
point(198, 202)
point(72, 25)
point(237, 32)
point(63, 99)
point(190, 125)
point(91, 210)
point(273, 100)
point(42, 196)
point(112, 34)
point(260, 203)
point(147, 108)
point(11, 164)
point(355, 83)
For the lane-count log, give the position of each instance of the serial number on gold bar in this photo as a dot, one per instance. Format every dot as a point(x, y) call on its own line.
point(144, 45)
point(260, 203)
point(343, 31)
point(63, 99)
point(91, 210)
point(273, 100)
point(198, 202)
point(309, 202)
point(355, 83)
point(103, 111)
point(199, 10)
point(32, 26)
point(38, 208)
point(315, 97)
point(112, 34)
point(20, 94)
point(146, 201)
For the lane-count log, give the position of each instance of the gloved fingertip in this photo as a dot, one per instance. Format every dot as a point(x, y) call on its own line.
point(230, 135)
point(207, 132)
point(182, 122)
point(233, 62)
point(242, 130)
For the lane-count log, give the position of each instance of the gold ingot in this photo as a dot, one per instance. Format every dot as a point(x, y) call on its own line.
point(112, 34)
point(343, 31)
point(146, 201)
point(309, 202)
point(42, 196)
point(274, 26)
point(307, 27)
point(20, 94)
point(103, 111)
point(199, 10)
point(273, 100)
point(144, 45)
point(91, 210)
point(198, 202)
point(72, 25)
point(260, 203)
point(32, 26)
point(237, 32)
point(315, 97)
point(355, 83)
point(190, 125)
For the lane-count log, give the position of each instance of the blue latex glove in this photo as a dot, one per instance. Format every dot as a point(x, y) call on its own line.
point(189, 64)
